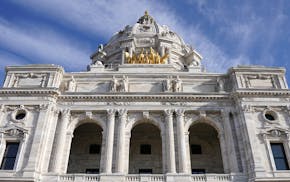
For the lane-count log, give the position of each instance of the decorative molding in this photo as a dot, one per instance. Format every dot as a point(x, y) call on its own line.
point(89, 114)
point(260, 93)
point(18, 76)
point(248, 108)
point(14, 131)
point(28, 92)
point(274, 133)
point(146, 114)
point(145, 98)
point(202, 114)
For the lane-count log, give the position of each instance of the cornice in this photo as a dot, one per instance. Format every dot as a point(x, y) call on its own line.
point(263, 93)
point(135, 97)
point(144, 97)
point(29, 92)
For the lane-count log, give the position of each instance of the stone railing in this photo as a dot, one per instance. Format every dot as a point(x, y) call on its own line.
point(78, 177)
point(144, 177)
point(211, 177)
point(147, 178)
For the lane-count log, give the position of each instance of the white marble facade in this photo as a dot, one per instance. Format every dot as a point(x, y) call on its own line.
point(119, 107)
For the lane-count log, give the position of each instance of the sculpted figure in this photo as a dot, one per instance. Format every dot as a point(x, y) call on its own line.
point(141, 57)
point(71, 85)
point(177, 85)
point(114, 85)
point(124, 84)
point(220, 85)
point(167, 86)
point(128, 58)
point(164, 58)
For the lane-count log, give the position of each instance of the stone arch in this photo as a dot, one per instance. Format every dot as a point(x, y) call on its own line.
point(139, 120)
point(212, 122)
point(145, 134)
point(205, 146)
point(85, 119)
point(86, 147)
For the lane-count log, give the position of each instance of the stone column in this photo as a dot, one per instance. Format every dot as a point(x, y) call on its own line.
point(121, 141)
point(182, 158)
point(170, 142)
point(109, 141)
point(60, 141)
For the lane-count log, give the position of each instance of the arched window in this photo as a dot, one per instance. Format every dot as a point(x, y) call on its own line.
point(205, 153)
point(85, 151)
point(145, 150)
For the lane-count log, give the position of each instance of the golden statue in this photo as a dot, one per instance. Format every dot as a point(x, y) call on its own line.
point(144, 57)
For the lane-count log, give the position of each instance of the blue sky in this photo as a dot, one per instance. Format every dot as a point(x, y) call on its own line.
point(225, 32)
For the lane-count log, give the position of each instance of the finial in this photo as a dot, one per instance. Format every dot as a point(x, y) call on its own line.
point(146, 13)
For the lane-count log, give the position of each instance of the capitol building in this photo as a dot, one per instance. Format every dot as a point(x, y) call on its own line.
point(145, 110)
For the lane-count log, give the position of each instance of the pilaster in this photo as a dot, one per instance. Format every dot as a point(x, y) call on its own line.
point(38, 138)
point(229, 139)
point(49, 134)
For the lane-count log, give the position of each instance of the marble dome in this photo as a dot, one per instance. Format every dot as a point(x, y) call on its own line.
point(144, 36)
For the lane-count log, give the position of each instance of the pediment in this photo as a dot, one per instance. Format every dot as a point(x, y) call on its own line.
point(14, 131)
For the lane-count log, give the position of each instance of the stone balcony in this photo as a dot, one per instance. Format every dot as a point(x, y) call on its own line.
point(146, 178)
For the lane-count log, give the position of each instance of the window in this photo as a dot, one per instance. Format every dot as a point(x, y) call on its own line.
point(92, 171)
point(145, 149)
point(197, 171)
point(95, 149)
point(195, 149)
point(145, 171)
point(270, 117)
point(279, 156)
point(10, 156)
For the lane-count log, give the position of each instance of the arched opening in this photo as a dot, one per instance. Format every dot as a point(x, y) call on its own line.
point(145, 150)
point(205, 152)
point(85, 153)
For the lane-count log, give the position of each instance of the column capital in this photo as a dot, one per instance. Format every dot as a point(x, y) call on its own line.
point(65, 112)
point(111, 112)
point(180, 112)
point(122, 112)
point(168, 112)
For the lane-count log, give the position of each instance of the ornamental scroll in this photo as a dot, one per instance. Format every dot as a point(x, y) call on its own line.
point(144, 57)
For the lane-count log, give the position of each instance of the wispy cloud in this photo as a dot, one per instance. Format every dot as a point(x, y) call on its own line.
point(105, 17)
point(41, 44)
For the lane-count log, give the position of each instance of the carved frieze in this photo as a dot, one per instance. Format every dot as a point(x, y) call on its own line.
point(30, 80)
point(260, 81)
